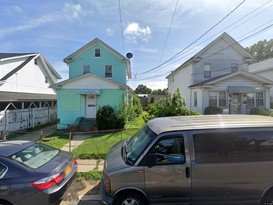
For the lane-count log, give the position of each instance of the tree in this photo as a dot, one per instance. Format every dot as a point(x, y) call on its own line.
point(143, 89)
point(160, 92)
point(262, 50)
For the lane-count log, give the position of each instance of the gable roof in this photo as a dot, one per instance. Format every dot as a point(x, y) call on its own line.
point(93, 42)
point(231, 43)
point(29, 56)
point(246, 74)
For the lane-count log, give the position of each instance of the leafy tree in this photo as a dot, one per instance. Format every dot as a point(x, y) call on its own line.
point(143, 89)
point(160, 92)
point(262, 50)
point(173, 105)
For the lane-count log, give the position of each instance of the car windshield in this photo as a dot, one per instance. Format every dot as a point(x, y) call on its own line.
point(36, 155)
point(138, 142)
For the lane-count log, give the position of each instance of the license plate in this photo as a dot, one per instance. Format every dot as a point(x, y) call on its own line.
point(67, 170)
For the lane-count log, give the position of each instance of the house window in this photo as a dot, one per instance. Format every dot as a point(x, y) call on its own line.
point(213, 99)
point(250, 99)
point(86, 69)
point(108, 71)
point(207, 70)
point(234, 67)
point(259, 99)
point(195, 99)
point(218, 99)
point(97, 52)
point(222, 99)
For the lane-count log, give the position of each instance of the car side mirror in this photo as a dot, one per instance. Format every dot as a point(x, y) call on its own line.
point(151, 160)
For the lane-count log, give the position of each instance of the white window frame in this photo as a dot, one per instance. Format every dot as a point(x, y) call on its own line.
point(195, 100)
point(207, 70)
point(97, 53)
point(106, 72)
point(86, 68)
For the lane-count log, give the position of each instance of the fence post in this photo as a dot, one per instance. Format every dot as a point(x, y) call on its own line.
point(41, 135)
point(70, 141)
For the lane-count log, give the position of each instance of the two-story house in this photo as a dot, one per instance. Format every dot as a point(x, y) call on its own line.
point(218, 76)
point(98, 76)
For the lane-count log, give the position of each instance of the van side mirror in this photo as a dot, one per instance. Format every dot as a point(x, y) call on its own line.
point(151, 160)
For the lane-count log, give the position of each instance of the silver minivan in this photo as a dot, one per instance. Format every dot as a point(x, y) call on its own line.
point(209, 159)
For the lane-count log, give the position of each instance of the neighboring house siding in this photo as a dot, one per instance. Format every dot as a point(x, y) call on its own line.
point(220, 57)
point(97, 64)
point(181, 81)
point(29, 79)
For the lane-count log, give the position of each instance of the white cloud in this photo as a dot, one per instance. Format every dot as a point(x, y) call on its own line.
point(135, 32)
point(73, 11)
point(110, 32)
point(148, 50)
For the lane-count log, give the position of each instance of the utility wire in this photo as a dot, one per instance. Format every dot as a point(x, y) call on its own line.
point(169, 31)
point(121, 27)
point(239, 41)
point(193, 41)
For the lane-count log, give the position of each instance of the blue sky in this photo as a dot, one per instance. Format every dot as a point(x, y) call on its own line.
point(57, 28)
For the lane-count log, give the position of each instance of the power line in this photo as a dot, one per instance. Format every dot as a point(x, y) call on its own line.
point(193, 41)
point(121, 27)
point(241, 40)
point(169, 31)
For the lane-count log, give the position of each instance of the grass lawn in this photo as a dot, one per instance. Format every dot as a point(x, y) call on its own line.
point(57, 140)
point(97, 146)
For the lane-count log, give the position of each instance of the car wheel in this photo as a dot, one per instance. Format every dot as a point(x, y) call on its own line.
point(5, 203)
point(130, 198)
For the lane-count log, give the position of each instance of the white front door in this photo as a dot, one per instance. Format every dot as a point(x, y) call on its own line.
point(91, 106)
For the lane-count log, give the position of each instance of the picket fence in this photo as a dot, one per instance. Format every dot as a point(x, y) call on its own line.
point(20, 119)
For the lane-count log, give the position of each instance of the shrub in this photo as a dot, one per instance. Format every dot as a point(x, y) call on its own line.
point(106, 118)
point(260, 111)
point(213, 110)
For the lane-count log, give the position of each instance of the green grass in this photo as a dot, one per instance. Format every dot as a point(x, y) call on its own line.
point(97, 146)
point(57, 140)
point(91, 175)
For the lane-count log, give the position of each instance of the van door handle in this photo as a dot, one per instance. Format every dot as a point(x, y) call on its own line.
point(188, 172)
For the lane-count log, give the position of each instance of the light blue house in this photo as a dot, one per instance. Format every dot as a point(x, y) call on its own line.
point(97, 76)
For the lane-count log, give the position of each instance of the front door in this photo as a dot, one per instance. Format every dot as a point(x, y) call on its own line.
point(168, 181)
point(91, 106)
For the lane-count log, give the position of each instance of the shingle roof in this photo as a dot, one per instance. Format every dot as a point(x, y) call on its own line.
point(10, 55)
point(16, 96)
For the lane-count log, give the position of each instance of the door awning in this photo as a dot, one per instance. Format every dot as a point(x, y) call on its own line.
point(88, 91)
point(242, 89)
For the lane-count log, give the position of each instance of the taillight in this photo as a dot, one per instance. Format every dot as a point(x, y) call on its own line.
point(107, 183)
point(47, 182)
point(73, 162)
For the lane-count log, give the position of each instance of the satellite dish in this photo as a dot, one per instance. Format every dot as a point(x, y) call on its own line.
point(129, 55)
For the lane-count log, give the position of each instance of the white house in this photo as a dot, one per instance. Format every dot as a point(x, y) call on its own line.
point(219, 76)
point(264, 69)
point(24, 88)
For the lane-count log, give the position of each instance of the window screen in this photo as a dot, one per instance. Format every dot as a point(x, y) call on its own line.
point(228, 147)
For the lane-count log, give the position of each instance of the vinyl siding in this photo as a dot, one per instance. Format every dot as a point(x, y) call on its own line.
point(97, 64)
point(220, 56)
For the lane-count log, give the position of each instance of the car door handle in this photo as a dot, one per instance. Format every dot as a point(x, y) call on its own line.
point(188, 172)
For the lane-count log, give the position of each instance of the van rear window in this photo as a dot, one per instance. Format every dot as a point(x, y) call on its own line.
point(229, 147)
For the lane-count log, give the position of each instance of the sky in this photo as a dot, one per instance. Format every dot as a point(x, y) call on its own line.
point(157, 32)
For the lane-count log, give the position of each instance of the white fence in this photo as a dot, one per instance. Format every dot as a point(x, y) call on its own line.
point(13, 120)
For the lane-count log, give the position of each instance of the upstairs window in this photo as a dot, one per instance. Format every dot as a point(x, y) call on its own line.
point(86, 69)
point(207, 70)
point(97, 52)
point(108, 71)
point(234, 67)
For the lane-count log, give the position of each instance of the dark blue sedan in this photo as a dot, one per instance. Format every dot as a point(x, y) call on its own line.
point(34, 173)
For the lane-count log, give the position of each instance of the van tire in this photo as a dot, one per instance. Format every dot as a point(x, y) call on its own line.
point(130, 198)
